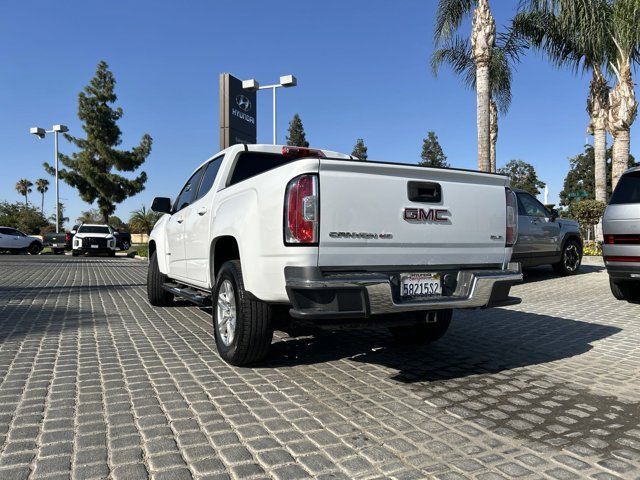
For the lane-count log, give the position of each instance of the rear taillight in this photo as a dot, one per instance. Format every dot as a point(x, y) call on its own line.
point(301, 211)
point(622, 239)
point(67, 238)
point(511, 231)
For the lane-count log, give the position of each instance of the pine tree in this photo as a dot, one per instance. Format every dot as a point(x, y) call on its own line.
point(432, 154)
point(92, 170)
point(360, 150)
point(296, 136)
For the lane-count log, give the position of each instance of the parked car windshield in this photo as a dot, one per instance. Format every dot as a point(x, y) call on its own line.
point(628, 189)
point(93, 229)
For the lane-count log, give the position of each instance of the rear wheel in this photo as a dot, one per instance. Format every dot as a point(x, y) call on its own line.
point(241, 323)
point(571, 259)
point(75, 253)
point(112, 253)
point(625, 290)
point(430, 326)
point(158, 296)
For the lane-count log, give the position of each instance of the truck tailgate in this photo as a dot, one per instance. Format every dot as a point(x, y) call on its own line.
point(362, 216)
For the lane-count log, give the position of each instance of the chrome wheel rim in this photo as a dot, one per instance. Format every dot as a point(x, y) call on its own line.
point(571, 257)
point(226, 313)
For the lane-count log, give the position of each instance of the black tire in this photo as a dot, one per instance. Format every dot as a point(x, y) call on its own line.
point(112, 253)
point(431, 326)
point(58, 251)
point(34, 249)
point(571, 259)
point(625, 290)
point(75, 253)
point(157, 296)
point(15, 252)
point(253, 331)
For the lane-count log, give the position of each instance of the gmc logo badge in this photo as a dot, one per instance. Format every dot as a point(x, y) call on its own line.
point(422, 215)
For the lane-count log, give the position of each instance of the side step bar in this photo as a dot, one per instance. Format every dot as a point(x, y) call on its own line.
point(196, 296)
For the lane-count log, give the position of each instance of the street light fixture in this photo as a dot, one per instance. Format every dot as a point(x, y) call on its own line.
point(41, 133)
point(286, 81)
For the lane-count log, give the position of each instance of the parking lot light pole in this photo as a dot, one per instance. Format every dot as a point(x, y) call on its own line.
point(286, 81)
point(41, 133)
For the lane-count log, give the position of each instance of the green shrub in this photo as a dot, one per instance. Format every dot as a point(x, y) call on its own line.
point(592, 248)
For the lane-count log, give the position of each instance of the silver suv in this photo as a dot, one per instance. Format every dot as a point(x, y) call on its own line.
point(546, 239)
point(621, 246)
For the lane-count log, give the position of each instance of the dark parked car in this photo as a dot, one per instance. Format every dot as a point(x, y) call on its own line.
point(546, 239)
point(123, 240)
point(59, 242)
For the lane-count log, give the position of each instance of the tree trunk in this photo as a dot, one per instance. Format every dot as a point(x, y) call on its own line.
point(493, 131)
point(42, 204)
point(620, 160)
point(600, 154)
point(598, 109)
point(623, 109)
point(483, 38)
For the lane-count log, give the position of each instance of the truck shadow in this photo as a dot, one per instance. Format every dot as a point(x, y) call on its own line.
point(537, 274)
point(487, 341)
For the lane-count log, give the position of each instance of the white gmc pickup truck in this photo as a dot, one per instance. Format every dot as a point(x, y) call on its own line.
point(335, 241)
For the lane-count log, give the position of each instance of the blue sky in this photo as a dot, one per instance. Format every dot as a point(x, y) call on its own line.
point(362, 68)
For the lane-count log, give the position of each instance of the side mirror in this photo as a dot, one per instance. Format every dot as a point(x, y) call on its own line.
point(555, 214)
point(161, 205)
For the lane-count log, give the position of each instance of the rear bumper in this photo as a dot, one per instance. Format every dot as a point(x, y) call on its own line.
point(624, 270)
point(315, 294)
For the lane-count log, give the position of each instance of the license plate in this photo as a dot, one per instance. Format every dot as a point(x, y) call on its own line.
point(420, 285)
point(54, 245)
point(94, 246)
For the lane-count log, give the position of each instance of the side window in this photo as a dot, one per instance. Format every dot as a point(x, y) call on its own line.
point(531, 207)
point(209, 177)
point(188, 192)
point(5, 231)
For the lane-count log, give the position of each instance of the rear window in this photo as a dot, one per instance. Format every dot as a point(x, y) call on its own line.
point(628, 189)
point(250, 164)
point(93, 229)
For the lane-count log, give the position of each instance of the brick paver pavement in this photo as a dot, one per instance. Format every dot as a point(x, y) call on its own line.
point(94, 383)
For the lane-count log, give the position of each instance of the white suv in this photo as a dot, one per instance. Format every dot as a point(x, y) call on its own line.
point(92, 239)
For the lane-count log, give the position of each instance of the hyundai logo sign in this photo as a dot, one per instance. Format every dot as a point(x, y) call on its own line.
point(243, 103)
point(238, 112)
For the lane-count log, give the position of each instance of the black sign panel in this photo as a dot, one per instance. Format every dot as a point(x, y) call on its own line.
point(238, 112)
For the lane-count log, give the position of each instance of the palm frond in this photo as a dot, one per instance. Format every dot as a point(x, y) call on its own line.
point(456, 53)
point(449, 16)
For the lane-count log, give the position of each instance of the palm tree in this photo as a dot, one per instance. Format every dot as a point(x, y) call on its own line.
point(574, 34)
point(143, 220)
point(457, 53)
point(625, 52)
point(42, 185)
point(23, 186)
point(483, 36)
point(593, 35)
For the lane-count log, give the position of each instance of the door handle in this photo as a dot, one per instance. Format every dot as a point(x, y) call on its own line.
point(179, 219)
point(202, 211)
